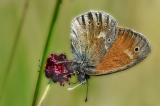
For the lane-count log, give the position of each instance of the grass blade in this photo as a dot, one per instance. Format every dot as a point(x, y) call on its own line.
point(14, 46)
point(44, 55)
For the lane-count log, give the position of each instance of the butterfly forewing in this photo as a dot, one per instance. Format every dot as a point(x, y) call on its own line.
point(90, 33)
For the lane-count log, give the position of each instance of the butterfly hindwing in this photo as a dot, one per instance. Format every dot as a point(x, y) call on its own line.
point(129, 48)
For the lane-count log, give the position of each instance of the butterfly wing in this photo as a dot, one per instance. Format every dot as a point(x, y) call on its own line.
point(89, 33)
point(128, 49)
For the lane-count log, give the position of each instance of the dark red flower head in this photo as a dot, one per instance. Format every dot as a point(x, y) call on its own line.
point(57, 68)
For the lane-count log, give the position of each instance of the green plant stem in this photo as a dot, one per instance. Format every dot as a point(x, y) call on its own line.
point(44, 94)
point(44, 55)
point(14, 46)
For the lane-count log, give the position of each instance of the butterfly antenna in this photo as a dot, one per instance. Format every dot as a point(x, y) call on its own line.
point(71, 88)
point(86, 99)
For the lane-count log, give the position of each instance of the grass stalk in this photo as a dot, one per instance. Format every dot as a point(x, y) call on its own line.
point(14, 46)
point(44, 55)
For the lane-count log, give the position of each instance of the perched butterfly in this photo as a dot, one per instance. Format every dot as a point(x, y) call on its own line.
point(99, 47)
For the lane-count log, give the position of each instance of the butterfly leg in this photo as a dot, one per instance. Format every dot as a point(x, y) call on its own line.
point(86, 99)
point(72, 83)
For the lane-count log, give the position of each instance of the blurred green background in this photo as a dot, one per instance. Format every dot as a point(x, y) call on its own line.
point(137, 87)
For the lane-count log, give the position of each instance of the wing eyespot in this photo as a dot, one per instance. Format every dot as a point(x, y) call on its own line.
point(136, 49)
point(109, 40)
point(98, 24)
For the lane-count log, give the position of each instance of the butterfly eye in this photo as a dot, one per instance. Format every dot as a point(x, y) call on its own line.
point(109, 40)
point(136, 49)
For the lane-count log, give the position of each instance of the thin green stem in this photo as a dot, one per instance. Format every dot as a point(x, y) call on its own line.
point(44, 55)
point(44, 94)
point(14, 46)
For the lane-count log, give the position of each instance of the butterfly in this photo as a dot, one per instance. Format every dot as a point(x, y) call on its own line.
point(100, 47)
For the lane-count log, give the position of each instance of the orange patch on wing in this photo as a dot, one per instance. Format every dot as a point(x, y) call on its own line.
point(117, 57)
